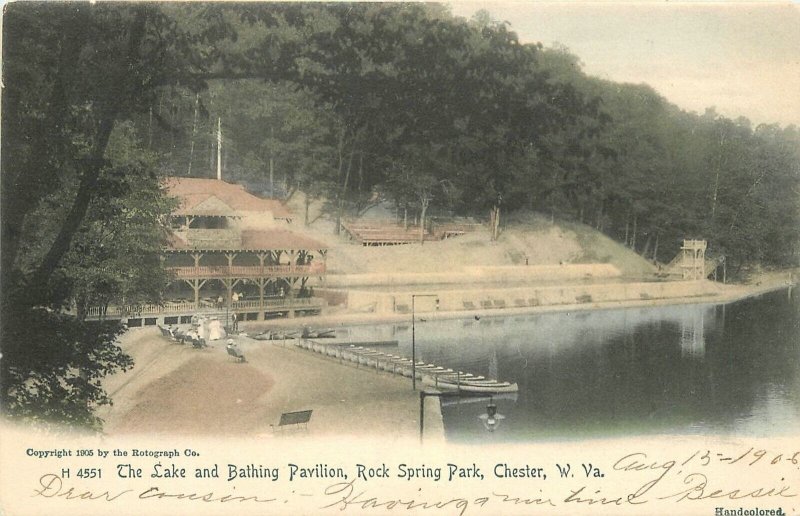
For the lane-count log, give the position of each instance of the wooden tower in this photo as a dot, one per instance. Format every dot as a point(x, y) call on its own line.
point(693, 260)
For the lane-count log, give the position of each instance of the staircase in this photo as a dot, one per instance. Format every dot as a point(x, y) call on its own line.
point(674, 270)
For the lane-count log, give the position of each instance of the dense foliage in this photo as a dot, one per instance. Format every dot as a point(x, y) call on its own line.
point(349, 102)
point(403, 102)
point(82, 207)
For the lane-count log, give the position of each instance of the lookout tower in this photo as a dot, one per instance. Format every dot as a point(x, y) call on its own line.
point(693, 259)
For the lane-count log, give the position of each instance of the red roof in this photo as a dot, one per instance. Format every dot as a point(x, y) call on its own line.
point(192, 191)
point(275, 239)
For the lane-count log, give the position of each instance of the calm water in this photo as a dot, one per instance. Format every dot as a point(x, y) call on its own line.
point(721, 369)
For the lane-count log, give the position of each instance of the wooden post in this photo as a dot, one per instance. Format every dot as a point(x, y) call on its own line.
point(230, 257)
point(196, 287)
point(324, 254)
point(229, 287)
point(261, 258)
point(290, 296)
point(262, 283)
point(197, 257)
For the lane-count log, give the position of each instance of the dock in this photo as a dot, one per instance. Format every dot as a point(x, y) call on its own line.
point(441, 378)
point(328, 341)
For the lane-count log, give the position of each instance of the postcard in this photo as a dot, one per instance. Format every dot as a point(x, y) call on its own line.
point(400, 258)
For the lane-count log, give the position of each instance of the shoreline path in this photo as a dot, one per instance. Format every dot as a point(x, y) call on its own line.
point(174, 389)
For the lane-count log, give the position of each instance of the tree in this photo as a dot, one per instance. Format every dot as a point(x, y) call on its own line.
point(72, 73)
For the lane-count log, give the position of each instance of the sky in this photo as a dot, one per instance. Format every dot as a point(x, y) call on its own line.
point(741, 58)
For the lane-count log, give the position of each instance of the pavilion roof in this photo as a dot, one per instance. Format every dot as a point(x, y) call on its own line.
point(278, 239)
point(204, 196)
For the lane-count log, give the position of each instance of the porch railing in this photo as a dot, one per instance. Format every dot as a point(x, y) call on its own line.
point(224, 271)
point(137, 311)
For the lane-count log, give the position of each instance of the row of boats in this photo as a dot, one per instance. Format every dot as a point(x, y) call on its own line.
point(429, 374)
point(288, 335)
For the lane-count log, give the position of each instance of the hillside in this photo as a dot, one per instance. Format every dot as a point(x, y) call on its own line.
point(524, 236)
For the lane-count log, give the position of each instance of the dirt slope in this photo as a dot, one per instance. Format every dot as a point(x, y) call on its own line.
point(530, 237)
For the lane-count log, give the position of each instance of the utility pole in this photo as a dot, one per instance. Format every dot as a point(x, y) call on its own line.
point(414, 336)
point(219, 149)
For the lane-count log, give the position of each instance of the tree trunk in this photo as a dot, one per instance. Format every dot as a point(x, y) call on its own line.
point(633, 237)
point(627, 226)
point(150, 130)
point(339, 170)
point(424, 203)
point(93, 166)
point(16, 207)
point(271, 164)
point(211, 138)
point(360, 172)
point(647, 245)
point(716, 180)
point(340, 210)
point(494, 222)
point(599, 224)
point(194, 132)
point(655, 249)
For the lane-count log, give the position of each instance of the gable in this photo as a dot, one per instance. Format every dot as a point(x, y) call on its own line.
point(213, 206)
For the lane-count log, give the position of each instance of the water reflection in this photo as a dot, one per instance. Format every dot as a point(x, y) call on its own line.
point(693, 335)
point(689, 368)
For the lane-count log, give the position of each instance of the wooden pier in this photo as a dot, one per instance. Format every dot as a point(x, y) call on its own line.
point(442, 378)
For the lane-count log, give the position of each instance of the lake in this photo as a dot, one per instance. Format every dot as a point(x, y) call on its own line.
point(682, 369)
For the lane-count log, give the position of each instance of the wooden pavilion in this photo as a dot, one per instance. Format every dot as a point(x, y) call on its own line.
point(256, 273)
point(230, 252)
point(234, 251)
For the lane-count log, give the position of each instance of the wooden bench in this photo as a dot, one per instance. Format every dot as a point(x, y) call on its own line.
point(298, 418)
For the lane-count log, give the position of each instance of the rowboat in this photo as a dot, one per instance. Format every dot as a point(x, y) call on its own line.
point(479, 387)
point(271, 335)
point(318, 334)
point(510, 396)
